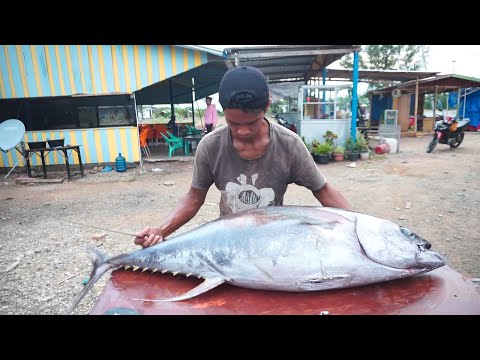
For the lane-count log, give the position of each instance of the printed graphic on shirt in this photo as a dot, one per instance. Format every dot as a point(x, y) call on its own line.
point(246, 196)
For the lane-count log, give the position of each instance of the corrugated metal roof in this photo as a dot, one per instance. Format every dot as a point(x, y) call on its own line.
point(281, 62)
point(379, 75)
point(439, 83)
point(205, 49)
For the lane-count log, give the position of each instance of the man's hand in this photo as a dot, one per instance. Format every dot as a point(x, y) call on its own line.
point(186, 209)
point(148, 237)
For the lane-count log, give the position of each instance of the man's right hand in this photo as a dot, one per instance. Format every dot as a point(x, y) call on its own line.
point(148, 237)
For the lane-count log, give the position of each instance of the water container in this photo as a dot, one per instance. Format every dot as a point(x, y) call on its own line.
point(120, 163)
point(382, 149)
point(393, 144)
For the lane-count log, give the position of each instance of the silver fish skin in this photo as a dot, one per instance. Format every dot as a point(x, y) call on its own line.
point(283, 248)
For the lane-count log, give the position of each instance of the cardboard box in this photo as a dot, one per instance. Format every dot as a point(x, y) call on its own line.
point(428, 124)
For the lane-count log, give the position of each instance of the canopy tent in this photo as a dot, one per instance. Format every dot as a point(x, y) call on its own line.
point(206, 77)
point(470, 103)
point(287, 62)
point(285, 90)
point(278, 63)
point(290, 89)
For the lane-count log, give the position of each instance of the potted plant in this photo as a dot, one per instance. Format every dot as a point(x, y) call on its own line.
point(312, 146)
point(330, 137)
point(308, 145)
point(322, 153)
point(338, 153)
point(363, 146)
point(352, 150)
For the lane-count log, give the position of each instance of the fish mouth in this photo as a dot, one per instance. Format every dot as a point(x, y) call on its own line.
point(415, 271)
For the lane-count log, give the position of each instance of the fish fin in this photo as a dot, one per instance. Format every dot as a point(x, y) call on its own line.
point(326, 224)
point(208, 284)
point(323, 278)
point(100, 267)
point(96, 256)
point(322, 281)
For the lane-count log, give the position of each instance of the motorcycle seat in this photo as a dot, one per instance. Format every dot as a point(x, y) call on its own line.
point(463, 123)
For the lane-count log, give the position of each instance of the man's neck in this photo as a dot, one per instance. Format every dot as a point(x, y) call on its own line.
point(256, 146)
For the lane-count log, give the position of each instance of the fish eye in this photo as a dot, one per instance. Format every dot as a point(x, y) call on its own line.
point(422, 244)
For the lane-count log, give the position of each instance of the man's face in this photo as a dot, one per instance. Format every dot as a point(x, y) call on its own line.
point(243, 125)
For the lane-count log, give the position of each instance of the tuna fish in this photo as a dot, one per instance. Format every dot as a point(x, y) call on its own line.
point(282, 248)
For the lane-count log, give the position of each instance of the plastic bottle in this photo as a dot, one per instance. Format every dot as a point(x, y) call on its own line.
point(120, 163)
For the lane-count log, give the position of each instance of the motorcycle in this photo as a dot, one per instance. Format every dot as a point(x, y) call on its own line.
point(448, 130)
point(285, 123)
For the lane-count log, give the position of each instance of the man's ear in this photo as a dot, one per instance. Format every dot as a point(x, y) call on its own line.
point(268, 105)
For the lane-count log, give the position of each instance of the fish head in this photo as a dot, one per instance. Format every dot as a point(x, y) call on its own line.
point(430, 259)
point(396, 246)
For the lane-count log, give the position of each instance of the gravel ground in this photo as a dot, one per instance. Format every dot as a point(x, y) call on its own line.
point(42, 254)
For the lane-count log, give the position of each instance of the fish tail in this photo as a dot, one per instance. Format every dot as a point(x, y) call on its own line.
point(100, 266)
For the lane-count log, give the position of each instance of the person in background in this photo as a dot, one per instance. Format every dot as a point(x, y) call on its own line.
point(251, 160)
point(362, 115)
point(210, 115)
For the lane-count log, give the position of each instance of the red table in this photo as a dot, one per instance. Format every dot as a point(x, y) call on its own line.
point(442, 291)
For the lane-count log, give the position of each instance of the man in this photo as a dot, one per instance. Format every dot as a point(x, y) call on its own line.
point(362, 115)
point(251, 160)
point(210, 115)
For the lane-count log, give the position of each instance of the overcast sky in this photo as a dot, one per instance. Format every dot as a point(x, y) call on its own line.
point(446, 59)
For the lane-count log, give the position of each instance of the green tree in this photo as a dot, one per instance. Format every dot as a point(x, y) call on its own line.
point(162, 112)
point(278, 106)
point(183, 112)
point(200, 112)
point(442, 100)
point(390, 57)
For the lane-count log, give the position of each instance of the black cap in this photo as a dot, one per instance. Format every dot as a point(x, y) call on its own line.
point(244, 87)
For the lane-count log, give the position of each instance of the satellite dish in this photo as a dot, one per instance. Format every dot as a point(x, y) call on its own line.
point(11, 133)
point(396, 93)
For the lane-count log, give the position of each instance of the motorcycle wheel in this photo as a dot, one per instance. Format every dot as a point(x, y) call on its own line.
point(432, 144)
point(458, 140)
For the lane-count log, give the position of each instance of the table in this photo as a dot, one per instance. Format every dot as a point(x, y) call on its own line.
point(441, 291)
point(62, 149)
point(188, 140)
point(367, 130)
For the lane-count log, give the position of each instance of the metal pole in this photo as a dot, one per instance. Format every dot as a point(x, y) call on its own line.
point(458, 104)
point(22, 144)
point(416, 107)
point(172, 107)
point(138, 130)
point(324, 75)
point(447, 102)
point(193, 100)
point(353, 127)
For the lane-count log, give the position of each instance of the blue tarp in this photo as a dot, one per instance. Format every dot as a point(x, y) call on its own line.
point(379, 105)
point(472, 108)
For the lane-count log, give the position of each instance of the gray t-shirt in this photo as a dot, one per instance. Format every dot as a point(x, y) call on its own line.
point(248, 184)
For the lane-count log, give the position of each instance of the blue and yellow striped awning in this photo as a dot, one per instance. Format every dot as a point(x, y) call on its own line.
point(63, 70)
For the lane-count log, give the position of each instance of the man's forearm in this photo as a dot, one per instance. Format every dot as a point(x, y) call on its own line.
point(185, 210)
point(331, 197)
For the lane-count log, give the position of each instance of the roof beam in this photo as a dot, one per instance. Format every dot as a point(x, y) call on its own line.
point(293, 52)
